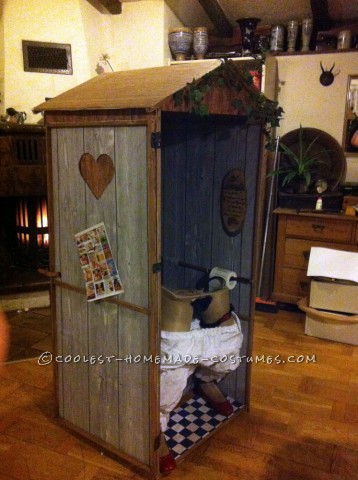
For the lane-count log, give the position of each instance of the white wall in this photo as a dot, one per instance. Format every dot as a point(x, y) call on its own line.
point(49, 21)
point(305, 101)
point(137, 38)
point(2, 55)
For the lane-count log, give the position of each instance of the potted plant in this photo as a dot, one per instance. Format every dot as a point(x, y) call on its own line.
point(298, 165)
point(311, 162)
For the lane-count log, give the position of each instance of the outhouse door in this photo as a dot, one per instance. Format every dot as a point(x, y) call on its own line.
point(106, 349)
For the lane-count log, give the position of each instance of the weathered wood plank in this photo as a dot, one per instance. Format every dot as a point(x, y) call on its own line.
point(102, 316)
point(55, 256)
point(246, 257)
point(230, 153)
point(131, 219)
point(133, 393)
point(173, 194)
point(199, 196)
point(69, 209)
point(251, 179)
point(132, 252)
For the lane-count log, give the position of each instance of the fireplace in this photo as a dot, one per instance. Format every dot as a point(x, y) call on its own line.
point(32, 231)
point(24, 238)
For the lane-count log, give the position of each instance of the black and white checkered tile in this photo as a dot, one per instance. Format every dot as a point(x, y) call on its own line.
point(191, 422)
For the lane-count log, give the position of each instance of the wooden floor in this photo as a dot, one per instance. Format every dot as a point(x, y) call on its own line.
point(30, 333)
point(303, 422)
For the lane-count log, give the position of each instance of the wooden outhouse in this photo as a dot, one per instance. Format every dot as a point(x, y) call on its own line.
point(162, 211)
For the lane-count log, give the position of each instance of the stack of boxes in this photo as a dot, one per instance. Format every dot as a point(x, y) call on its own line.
point(332, 306)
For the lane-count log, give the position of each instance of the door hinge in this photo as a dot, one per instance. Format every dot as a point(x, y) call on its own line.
point(157, 267)
point(156, 140)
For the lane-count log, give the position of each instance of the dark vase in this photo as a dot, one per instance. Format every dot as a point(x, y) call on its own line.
point(248, 27)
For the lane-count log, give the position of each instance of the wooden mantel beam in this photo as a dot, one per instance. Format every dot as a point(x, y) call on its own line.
point(114, 7)
point(215, 12)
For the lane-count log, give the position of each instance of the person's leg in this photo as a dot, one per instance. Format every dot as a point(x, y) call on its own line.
point(221, 355)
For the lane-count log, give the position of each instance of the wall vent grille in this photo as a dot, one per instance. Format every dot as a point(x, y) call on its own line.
point(43, 57)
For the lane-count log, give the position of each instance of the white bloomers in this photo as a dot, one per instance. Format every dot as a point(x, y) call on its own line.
point(209, 352)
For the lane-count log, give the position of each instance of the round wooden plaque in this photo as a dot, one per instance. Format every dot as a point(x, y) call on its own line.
point(233, 202)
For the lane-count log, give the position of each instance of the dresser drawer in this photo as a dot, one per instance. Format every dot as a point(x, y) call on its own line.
point(295, 282)
point(319, 228)
point(297, 251)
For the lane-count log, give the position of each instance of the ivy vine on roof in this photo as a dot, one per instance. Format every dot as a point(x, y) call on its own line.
point(237, 78)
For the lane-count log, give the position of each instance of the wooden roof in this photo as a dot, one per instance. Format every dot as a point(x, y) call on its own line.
point(143, 88)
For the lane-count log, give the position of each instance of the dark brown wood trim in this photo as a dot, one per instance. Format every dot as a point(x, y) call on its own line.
point(256, 242)
point(50, 216)
point(95, 118)
point(154, 233)
point(215, 12)
point(314, 52)
point(114, 7)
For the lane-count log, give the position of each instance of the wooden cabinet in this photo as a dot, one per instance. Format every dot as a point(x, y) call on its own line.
point(296, 234)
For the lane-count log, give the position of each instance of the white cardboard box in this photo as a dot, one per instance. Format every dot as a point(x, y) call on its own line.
point(333, 296)
point(344, 333)
point(332, 309)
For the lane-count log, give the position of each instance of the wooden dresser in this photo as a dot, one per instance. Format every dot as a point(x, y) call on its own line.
point(297, 232)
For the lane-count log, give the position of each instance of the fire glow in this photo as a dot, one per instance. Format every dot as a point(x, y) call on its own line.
point(42, 222)
point(32, 222)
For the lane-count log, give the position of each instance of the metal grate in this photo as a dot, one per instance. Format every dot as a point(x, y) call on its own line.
point(28, 151)
point(47, 57)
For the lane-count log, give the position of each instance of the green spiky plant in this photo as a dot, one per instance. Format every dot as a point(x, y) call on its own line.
point(299, 166)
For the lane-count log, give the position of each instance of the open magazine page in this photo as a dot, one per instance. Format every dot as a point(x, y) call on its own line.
point(98, 266)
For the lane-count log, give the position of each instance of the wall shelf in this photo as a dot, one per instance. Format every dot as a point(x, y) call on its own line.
point(313, 52)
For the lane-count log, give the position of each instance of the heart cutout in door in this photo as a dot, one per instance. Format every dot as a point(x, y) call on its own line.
point(98, 173)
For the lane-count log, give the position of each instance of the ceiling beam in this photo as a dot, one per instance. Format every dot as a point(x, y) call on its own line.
point(114, 7)
point(321, 18)
point(214, 11)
